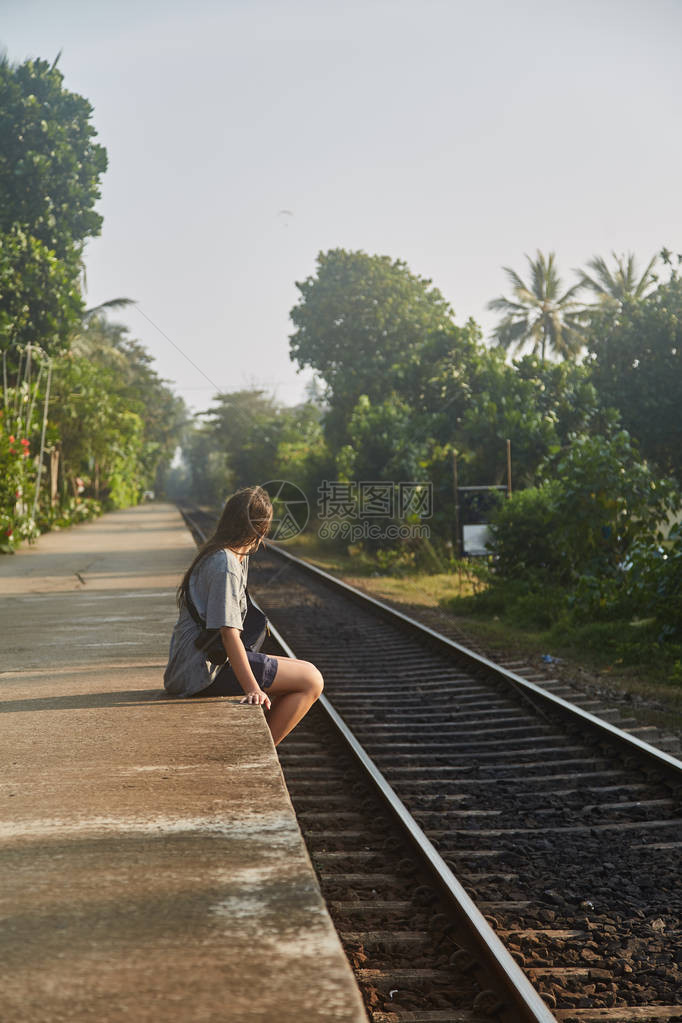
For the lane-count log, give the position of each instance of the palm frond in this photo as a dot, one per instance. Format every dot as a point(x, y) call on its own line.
point(620, 284)
point(605, 283)
point(648, 278)
point(568, 295)
point(503, 304)
point(113, 303)
point(516, 282)
point(511, 333)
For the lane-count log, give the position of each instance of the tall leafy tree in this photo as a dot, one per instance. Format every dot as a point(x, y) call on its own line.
point(636, 359)
point(540, 315)
point(115, 422)
point(536, 405)
point(383, 442)
point(50, 168)
point(360, 321)
point(135, 381)
point(50, 164)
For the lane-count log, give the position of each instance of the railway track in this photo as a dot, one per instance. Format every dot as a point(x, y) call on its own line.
point(564, 830)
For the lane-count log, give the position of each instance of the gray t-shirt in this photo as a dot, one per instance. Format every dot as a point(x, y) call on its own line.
point(217, 587)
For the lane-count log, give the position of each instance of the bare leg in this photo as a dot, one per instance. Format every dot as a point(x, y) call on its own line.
point(296, 687)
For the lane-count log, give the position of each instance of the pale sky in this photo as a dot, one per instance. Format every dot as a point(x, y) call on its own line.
point(454, 135)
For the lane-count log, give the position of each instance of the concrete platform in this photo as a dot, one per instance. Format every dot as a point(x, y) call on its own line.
point(151, 867)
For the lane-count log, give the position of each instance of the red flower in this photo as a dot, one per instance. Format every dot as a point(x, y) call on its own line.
point(11, 438)
point(24, 442)
point(8, 531)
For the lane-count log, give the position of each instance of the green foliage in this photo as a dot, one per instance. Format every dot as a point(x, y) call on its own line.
point(126, 370)
point(382, 442)
point(587, 549)
point(360, 322)
point(539, 315)
point(619, 287)
point(15, 479)
point(68, 512)
point(249, 426)
point(303, 456)
point(39, 298)
point(610, 498)
point(636, 366)
point(111, 424)
point(523, 535)
point(537, 405)
point(50, 165)
point(246, 437)
point(653, 583)
point(115, 421)
point(20, 422)
point(601, 499)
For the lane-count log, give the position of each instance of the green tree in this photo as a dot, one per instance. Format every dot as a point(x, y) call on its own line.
point(635, 355)
point(539, 314)
point(50, 164)
point(96, 433)
point(360, 321)
point(50, 168)
point(471, 399)
point(115, 424)
point(40, 302)
point(247, 426)
point(303, 456)
point(598, 500)
point(133, 379)
point(384, 444)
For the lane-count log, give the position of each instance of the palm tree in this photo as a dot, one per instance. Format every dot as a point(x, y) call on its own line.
point(539, 315)
point(617, 287)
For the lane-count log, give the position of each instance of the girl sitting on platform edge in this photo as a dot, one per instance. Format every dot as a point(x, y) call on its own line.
point(285, 687)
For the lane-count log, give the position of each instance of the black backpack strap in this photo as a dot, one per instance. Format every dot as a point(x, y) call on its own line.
point(189, 604)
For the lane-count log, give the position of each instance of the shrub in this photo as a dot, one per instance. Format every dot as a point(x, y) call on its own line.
point(653, 581)
point(601, 501)
point(523, 534)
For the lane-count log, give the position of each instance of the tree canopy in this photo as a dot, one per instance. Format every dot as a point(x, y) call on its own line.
point(85, 421)
point(40, 300)
point(360, 322)
point(636, 366)
point(50, 164)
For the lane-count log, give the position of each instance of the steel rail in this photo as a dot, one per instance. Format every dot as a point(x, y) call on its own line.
point(507, 972)
point(630, 745)
point(511, 978)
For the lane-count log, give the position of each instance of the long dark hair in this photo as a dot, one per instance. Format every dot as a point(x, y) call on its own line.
point(245, 519)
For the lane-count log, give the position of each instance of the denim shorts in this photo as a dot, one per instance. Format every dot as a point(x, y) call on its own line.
point(263, 666)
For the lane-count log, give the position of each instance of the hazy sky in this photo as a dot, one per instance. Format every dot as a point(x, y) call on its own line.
point(454, 135)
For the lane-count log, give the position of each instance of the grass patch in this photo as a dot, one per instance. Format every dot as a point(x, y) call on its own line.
point(403, 583)
point(541, 622)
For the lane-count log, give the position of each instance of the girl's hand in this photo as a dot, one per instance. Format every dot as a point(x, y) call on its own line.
point(258, 698)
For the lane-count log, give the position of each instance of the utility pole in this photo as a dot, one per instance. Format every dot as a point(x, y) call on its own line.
point(455, 484)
